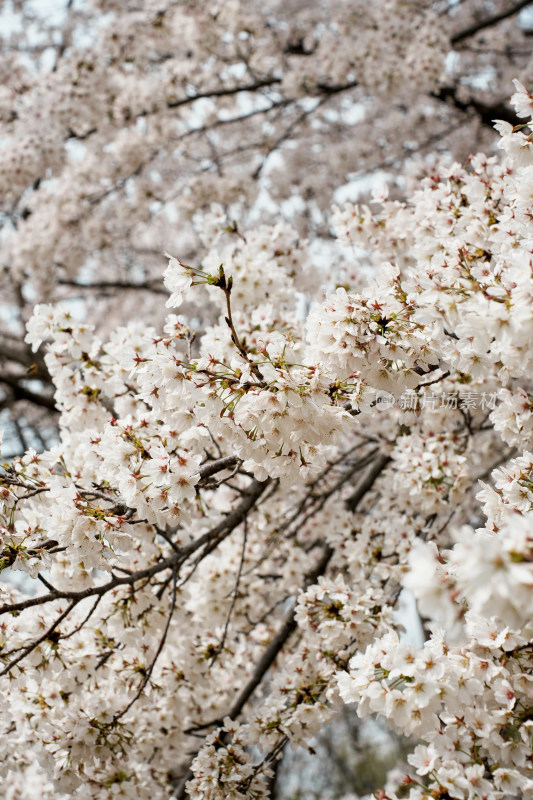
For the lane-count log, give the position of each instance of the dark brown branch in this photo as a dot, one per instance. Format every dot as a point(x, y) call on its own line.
point(367, 483)
point(212, 467)
point(486, 113)
point(435, 380)
point(83, 622)
point(313, 503)
point(226, 288)
point(234, 594)
point(38, 641)
point(21, 393)
point(286, 135)
point(160, 646)
point(148, 286)
point(488, 22)
point(321, 500)
point(270, 654)
point(287, 627)
point(274, 105)
point(212, 537)
point(23, 355)
point(251, 87)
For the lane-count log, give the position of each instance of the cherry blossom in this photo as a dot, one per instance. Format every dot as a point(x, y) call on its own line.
point(208, 560)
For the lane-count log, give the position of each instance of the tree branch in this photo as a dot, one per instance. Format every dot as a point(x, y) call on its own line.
point(216, 534)
point(212, 467)
point(287, 627)
point(367, 483)
point(486, 113)
point(147, 286)
point(20, 393)
point(488, 22)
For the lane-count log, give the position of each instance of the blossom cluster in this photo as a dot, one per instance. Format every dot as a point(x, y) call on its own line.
point(213, 551)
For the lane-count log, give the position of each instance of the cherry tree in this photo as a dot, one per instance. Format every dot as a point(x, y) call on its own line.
point(215, 547)
point(130, 128)
point(218, 501)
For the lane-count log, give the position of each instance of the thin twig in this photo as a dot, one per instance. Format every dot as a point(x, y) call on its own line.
point(158, 652)
point(210, 539)
point(222, 642)
point(37, 642)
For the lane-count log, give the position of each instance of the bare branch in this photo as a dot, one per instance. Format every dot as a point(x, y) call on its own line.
point(488, 22)
point(29, 648)
point(158, 652)
point(287, 627)
point(148, 286)
point(234, 593)
point(367, 483)
point(487, 113)
point(212, 467)
point(21, 393)
point(212, 538)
